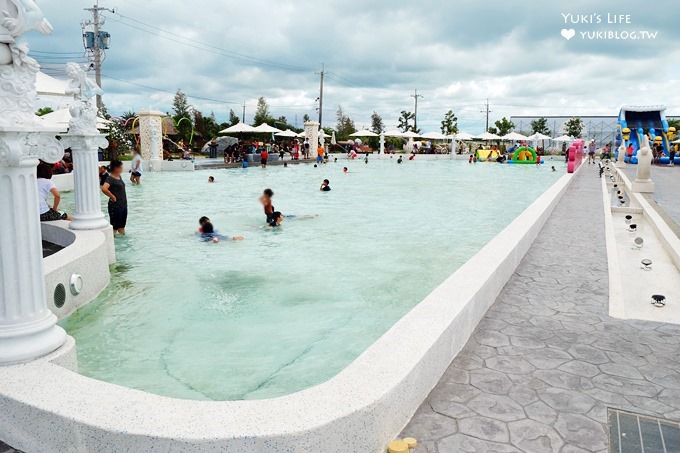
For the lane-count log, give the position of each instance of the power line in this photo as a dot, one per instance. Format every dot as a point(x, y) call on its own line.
point(415, 97)
point(487, 115)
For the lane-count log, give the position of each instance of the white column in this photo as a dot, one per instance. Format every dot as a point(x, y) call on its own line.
point(312, 136)
point(28, 328)
point(151, 137)
point(84, 149)
point(382, 143)
point(621, 160)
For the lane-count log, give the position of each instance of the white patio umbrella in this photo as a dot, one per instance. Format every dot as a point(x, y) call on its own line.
point(333, 141)
point(434, 136)
point(48, 85)
point(514, 137)
point(286, 133)
point(463, 136)
point(537, 136)
point(61, 118)
point(410, 134)
point(302, 134)
point(265, 128)
point(487, 136)
point(238, 128)
point(323, 134)
point(563, 138)
point(364, 133)
point(393, 133)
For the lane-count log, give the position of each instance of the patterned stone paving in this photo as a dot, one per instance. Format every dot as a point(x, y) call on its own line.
point(547, 361)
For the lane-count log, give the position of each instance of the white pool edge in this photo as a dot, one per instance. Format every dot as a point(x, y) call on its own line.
point(45, 407)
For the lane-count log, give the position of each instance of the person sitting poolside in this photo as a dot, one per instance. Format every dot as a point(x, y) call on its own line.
point(325, 186)
point(46, 187)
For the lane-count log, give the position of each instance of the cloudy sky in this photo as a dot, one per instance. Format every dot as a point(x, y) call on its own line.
point(376, 53)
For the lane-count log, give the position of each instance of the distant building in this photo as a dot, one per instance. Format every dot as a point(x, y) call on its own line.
point(601, 128)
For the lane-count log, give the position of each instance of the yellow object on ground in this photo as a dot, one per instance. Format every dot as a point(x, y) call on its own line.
point(411, 442)
point(484, 154)
point(397, 446)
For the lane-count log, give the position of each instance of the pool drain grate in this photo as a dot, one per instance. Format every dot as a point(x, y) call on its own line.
point(637, 433)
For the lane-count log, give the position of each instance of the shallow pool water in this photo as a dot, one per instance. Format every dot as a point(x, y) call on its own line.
point(285, 309)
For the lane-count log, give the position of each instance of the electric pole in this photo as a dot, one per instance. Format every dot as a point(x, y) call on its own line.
point(243, 118)
point(487, 115)
point(415, 97)
point(97, 50)
point(321, 74)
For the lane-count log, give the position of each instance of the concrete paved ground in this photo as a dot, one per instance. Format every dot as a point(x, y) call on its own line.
point(547, 361)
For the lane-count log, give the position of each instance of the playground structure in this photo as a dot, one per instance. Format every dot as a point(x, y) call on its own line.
point(637, 121)
point(524, 155)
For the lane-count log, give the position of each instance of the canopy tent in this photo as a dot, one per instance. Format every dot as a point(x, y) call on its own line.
point(301, 134)
point(487, 136)
point(265, 128)
point(364, 133)
point(287, 133)
point(222, 144)
point(61, 118)
point(48, 85)
point(238, 128)
point(434, 136)
point(393, 133)
point(563, 138)
point(409, 134)
point(514, 137)
point(323, 134)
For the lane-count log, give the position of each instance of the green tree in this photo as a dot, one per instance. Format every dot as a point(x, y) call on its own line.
point(182, 109)
point(377, 124)
point(574, 127)
point(504, 126)
point(305, 118)
point(492, 130)
point(344, 125)
point(449, 123)
point(262, 113)
point(44, 111)
point(233, 118)
point(540, 126)
point(206, 127)
point(676, 124)
point(405, 119)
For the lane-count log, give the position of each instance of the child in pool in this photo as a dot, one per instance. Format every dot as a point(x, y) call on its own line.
point(325, 186)
point(207, 232)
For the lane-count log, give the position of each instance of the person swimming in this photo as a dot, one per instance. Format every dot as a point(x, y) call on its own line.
point(400, 160)
point(211, 179)
point(366, 159)
point(207, 232)
point(344, 170)
point(325, 186)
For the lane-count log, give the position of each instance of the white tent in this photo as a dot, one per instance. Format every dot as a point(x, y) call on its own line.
point(333, 141)
point(238, 128)
point(409, 134)
point(265, 128)
point(393, 133)
point(514, 137)
point(47, 85)
point(434, 136)
point(286, 133)
point(563, 138)
point(302, 134)
point(364, 133)
point(323, 134)
point(487, 136)
point(61, 118)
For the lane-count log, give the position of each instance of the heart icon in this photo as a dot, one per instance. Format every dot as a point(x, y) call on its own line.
point(568, 33)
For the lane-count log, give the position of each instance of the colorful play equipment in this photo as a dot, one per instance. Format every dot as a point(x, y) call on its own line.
point(524, 155)
point(636, 121)
point(575, 156)
point(484, 155)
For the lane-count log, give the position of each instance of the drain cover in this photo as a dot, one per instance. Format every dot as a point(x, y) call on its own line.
point(629, 432)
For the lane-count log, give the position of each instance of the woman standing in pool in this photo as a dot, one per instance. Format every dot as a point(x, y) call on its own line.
point(114, 188)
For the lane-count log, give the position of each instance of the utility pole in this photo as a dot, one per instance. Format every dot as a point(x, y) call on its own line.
point(321, 74)
point(97, 22)
point(487, 115)
point(243, 118)
point(415, 97)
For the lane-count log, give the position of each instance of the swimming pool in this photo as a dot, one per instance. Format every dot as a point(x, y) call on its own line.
point(284, 310)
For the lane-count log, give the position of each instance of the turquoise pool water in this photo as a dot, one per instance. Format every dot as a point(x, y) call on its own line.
point(284, 310)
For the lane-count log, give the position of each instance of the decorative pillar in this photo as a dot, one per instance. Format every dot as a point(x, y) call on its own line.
point(621, 159)
point(28, 328)
point(643, 181)
point(151, 137)
point(382, 143)
point(312, 136)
